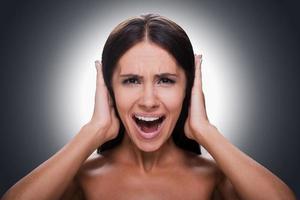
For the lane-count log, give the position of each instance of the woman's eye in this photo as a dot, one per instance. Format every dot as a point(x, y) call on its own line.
point(130, 81)
point(166, 81)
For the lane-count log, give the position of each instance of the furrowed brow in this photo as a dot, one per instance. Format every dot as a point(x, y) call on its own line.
point(166, 75)
point(156, 75)
point(130, 75)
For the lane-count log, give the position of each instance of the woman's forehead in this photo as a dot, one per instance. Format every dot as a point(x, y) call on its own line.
point(143, 68)
point(147, 56)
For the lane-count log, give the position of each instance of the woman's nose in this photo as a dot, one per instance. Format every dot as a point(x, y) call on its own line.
point(148, 99)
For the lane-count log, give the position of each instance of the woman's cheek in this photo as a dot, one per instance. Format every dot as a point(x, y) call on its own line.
point(171, 97)
point(125, 98)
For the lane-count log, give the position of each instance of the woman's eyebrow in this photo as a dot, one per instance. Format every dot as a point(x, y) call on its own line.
point(130, 75)
point(157, 75)
point(166, 75)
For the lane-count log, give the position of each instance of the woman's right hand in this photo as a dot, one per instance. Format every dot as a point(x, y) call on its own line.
point(64, 164)
point(104, 119)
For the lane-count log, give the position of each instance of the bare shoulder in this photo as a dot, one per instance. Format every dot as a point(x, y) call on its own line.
point(205, 174)
point(76, 188)
point(98, 171)
point(205, 166)
point(91, 167)
point(223, 189)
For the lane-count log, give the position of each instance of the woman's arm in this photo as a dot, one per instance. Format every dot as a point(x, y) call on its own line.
point(51, 179)
point(249, 179)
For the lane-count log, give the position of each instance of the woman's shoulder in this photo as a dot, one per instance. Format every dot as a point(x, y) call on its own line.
point(93, 165)
point(93, 172)
point(199, 163)
point(82, 180)
point(201, 160)
point(204, 166)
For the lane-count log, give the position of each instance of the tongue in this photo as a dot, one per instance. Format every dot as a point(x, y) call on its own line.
point(149, 127)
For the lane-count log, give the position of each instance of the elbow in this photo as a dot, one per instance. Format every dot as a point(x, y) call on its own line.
point(287, 194)
point(8, 196)
point(290, 196)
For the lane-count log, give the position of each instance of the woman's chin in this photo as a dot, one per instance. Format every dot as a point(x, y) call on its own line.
point(148, 147)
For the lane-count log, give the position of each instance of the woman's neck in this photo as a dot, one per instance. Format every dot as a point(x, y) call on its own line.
point(147, 161)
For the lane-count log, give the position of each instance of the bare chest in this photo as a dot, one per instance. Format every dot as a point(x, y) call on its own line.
point(163, 187)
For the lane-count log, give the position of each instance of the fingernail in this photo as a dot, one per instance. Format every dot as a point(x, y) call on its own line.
point(96, 64)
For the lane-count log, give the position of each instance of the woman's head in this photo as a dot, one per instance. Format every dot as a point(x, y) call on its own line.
point(148, 46)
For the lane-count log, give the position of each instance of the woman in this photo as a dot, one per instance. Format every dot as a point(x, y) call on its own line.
point(149, 120)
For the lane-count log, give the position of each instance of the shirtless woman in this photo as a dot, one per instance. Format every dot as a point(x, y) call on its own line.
point(149, 120)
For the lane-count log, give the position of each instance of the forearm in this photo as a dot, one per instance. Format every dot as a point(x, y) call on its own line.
point(250, 179)
point(51, 178)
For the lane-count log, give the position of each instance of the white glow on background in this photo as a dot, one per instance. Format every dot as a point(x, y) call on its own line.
point(224, 76)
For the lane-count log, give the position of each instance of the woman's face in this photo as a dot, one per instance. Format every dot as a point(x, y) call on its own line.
point(149, 89)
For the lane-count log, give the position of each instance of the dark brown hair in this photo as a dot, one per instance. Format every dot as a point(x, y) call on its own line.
point(169, 36)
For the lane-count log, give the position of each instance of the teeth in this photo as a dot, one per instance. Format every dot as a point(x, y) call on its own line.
point(148, 119)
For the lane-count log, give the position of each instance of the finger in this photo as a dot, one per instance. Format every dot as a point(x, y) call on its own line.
point(197, 86)
point(199, 107)
point(203, 110)
point(101, 95)
point(198, 99)
point(100, 80)
point(110, 101)
point(198, 73)
point(115, 124)
point(115, 120)
point(113, 114)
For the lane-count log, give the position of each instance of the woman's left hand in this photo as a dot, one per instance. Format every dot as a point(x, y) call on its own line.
point(258, 182)
point(197, 123)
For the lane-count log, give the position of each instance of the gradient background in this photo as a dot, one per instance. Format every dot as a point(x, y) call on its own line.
point(250, 74)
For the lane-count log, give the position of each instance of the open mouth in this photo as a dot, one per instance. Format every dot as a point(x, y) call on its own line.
point(149, 126)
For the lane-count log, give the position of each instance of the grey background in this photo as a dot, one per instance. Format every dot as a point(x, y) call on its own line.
point(33, 32)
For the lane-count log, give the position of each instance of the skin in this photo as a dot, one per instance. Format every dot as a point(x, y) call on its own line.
point(150, 93)
point(155, 169)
